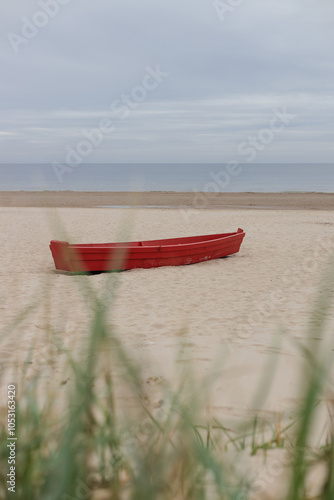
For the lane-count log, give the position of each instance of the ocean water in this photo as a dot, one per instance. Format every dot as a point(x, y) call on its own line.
point(225, 177)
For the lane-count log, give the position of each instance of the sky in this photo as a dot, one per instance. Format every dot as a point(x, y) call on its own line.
point(177, 81)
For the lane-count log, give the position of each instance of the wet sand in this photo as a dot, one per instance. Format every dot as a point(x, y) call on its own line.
point(67, 199)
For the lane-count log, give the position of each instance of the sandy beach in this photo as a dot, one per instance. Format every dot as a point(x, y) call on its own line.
point(148, 123)
point(232, 318)
point(228, 310)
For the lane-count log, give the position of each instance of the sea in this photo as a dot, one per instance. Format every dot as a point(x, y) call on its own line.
point(225, 177)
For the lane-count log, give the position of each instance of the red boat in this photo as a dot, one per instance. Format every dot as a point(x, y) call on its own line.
point(143, 254)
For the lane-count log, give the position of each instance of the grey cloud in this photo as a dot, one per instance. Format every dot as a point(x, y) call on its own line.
point(225, 77)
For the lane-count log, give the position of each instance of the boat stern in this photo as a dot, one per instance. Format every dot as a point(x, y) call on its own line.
point(60, 253)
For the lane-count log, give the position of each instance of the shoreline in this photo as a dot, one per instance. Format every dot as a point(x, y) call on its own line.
point(168, 199)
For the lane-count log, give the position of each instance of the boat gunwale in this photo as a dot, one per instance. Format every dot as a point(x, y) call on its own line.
point(127, 245)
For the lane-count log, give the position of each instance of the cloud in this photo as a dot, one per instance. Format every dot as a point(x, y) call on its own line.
point(225, 76)
point(202, 130)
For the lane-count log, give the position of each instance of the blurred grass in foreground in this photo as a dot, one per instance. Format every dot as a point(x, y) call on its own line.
point(106, 447)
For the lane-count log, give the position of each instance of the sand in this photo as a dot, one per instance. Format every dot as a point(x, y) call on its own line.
point(188, 201)
point(228, 313)
point(228, 309)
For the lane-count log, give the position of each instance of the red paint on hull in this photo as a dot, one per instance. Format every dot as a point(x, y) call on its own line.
point(144, 254)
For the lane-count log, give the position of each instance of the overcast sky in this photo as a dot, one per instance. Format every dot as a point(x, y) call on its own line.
point(173, 81)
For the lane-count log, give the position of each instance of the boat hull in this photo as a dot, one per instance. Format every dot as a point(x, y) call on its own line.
point(144, 254)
